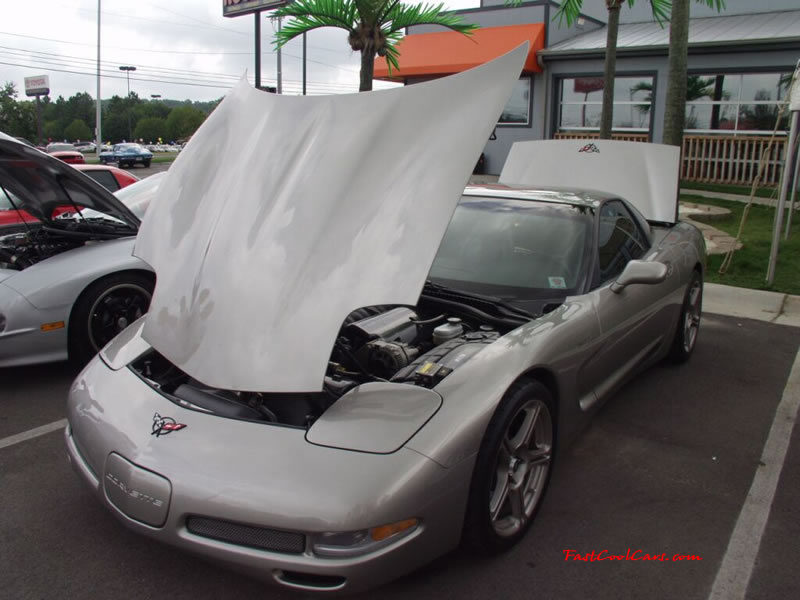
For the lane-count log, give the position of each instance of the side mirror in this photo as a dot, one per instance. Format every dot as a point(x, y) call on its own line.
point(640, 271)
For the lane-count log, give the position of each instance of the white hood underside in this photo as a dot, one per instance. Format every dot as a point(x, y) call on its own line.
point(646, 175)
point(284, 214)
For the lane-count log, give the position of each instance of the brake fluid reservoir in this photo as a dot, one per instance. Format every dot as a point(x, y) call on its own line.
point(452, 329)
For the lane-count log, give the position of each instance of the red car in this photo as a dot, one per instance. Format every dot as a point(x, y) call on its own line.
point(72, 157)
point(65, 152)
point(111, 178)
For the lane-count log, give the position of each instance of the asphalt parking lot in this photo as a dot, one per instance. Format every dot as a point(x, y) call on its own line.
point(665, 468)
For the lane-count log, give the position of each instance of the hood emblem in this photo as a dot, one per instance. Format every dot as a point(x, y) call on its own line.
point(164, 425)
point(589, 148)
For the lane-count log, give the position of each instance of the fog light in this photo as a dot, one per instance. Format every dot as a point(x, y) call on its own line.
point(343, 544)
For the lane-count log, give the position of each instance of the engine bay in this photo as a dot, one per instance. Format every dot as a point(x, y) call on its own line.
point(413, 345)
point(21, 250)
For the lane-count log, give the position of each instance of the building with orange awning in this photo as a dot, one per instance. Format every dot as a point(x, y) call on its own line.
point(740, 62)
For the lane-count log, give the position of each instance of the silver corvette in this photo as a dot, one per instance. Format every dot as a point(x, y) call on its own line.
point(68, 281)
point(377, 366)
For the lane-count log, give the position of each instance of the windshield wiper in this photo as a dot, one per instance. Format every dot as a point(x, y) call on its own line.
point(503, 306)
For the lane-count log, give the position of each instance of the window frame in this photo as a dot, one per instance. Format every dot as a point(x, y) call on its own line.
point(738, 103)
point(529, 121)
point(558, 102)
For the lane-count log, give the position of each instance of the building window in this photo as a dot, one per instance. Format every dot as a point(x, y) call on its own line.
point(582, 102)
point(744, 103)
point(517, 110)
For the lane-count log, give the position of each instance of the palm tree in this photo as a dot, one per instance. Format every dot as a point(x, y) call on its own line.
point(570, 10)
point(374, 26)
point(675, 103)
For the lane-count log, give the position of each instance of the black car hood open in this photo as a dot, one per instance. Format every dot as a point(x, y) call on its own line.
point(40, 184)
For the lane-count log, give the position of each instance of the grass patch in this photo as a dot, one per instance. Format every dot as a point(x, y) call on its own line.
point(749, 266)
point(742, 190)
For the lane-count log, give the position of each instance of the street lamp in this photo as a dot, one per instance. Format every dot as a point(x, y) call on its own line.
point(155, 96)
point(128, 70)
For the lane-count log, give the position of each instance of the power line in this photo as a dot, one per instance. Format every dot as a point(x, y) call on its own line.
point(33, 37)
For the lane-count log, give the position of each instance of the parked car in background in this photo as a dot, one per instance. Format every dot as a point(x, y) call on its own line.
point(68, 281)
point(59, 147)
point(127, 154)
point(72, 157)
point(111, 178)
point(85, 146)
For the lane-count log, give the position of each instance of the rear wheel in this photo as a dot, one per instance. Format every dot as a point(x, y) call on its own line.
point(104, 309)
point(689, 322)
point(512, 469)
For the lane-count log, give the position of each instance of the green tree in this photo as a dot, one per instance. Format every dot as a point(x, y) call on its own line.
point(374, 26)
point(183, 121)
point(675, 103)
point(570, 10)
point(77, 130)
point(16, 118)
point(150, 129)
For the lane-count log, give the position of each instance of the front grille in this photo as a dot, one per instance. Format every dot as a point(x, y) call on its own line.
point(247, 535)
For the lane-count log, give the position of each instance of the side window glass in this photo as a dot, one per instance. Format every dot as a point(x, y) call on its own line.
point(619, 240)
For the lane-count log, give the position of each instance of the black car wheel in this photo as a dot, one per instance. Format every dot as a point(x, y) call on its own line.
point(104, 309)
point(512, 469)
point(685, 339)
point(146, 163)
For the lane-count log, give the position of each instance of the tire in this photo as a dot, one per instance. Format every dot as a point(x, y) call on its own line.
point(146, 164)
point(104, 309)
point(688, 327)
point(512, 469)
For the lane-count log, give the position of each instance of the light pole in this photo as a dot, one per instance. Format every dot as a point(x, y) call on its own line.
point(155, 96)
point(128, 70)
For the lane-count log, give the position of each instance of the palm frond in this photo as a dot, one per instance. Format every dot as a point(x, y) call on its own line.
point(569, 11)
point(661, 10)
point(402, 16)
point(306, 15)
point(391, 50)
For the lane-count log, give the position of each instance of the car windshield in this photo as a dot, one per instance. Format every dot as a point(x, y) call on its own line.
point(514, 249)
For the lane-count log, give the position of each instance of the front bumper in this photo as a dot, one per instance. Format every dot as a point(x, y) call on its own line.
point(256, 475)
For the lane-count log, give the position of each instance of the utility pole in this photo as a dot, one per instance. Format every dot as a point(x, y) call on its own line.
point(98, 130)
point(128, 70)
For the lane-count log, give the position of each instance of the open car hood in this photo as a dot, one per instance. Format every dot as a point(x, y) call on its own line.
point(43, 186)
point(284, 214)
point(646, 175)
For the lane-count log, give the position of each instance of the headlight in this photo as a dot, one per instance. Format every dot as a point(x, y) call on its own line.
point(345, 544)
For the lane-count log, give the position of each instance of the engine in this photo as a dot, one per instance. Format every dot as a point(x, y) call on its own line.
point(22, 250)
point(378, 343)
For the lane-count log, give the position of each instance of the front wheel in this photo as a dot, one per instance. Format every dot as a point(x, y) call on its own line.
point(104, 309)
point(512, 469)
point(689, 322)
point(146, 164)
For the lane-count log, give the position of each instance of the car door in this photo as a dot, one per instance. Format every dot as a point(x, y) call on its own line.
point(627, 320)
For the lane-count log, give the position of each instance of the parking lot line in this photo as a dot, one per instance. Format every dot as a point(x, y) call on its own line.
point(32, 433)
point(734, 574)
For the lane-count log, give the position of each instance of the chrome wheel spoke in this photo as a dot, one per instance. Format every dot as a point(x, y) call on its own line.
point(522, 437)
point(536, 456)
point(499, 495)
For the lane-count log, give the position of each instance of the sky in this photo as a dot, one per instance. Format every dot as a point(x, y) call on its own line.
point(182, 49)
